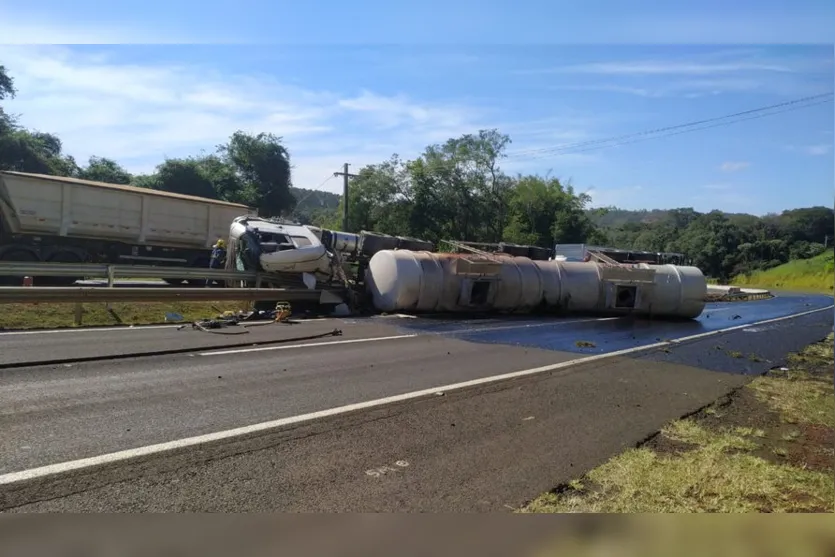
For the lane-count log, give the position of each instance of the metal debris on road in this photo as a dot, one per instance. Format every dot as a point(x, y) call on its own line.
point(281, 314)
point(244, 320)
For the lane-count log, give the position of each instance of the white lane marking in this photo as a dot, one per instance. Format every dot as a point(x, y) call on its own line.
point(80, 464)
point(353, 341)
point(128, 328)
point(524, 326)
point(308, 345)
point(90, 330)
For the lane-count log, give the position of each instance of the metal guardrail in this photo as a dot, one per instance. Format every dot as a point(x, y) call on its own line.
point(719, 293)
point(81, 294)
point(112, 272)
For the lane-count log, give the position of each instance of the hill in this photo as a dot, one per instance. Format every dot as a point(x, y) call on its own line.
point(816, 274)
point(313, 205)
point(613, 217)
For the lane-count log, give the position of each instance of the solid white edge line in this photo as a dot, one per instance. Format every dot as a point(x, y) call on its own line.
point(125, 328)
point(90, 330)
point(308, 345)
point(524, 326)
point(69, 466)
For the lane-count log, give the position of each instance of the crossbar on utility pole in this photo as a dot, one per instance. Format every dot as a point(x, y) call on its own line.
point(345, 176)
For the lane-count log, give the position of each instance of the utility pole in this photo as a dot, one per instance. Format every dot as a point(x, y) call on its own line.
point(345, 176)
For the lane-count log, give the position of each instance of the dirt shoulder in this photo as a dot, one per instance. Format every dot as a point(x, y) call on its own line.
point(767, 447)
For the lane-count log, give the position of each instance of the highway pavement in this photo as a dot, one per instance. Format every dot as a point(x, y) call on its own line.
point(72, 345)
point(376, 419)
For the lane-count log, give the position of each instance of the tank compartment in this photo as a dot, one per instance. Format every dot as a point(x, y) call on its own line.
point(400, 280)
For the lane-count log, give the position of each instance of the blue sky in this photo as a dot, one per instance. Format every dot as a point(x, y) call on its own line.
point(362, 100)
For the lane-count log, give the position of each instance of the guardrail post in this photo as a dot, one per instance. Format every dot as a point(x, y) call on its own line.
point(110, 276)
point(79, 314)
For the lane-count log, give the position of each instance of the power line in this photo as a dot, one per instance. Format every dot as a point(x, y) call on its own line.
point(316, 191)
point(325, 181)
point(617, 141)
point(570, 151)
point(654, 132)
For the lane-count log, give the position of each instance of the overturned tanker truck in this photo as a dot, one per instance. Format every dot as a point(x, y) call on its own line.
point(379, 273)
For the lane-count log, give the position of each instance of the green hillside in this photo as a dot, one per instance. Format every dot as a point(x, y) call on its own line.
point(814, 275)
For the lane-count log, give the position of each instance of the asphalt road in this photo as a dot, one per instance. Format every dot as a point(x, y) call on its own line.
point(481, 448)
point(27, 347)
point(68, 345)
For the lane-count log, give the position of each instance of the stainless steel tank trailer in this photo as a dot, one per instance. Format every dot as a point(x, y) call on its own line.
point(381, 273)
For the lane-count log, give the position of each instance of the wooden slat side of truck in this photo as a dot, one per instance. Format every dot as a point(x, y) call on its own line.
point(58, 219)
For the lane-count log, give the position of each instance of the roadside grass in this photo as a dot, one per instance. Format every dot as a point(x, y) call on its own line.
point(48, 316)
point(766, 448)
point(816, 274)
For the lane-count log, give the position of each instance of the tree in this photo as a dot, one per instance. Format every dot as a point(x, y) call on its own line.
point(380, 199)
point(225, 182)
point(458, 190)
point(262, 164)
point(36, 152)
point(813, 224)
point(7, 88)
point(28, 151)
point(105, 170)
point(183, 176)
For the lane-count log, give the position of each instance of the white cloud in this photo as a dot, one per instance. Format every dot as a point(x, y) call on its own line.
point(812, 150)
point(613, 196)
point(734, 166)
point(690, 87)
point(723, 71)
point(818, 150)
point(666, 67)
point(29, 29)
point(139, 114)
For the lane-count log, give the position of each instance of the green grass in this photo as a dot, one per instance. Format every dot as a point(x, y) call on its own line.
point(799, 396)
point(810, 275)
point(48, 316)
point(721, 468)
point(719, 475)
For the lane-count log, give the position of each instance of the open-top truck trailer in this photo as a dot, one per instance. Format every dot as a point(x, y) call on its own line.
point(67, 220)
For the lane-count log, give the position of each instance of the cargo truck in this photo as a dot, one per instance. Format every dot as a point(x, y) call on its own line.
point(67, 220)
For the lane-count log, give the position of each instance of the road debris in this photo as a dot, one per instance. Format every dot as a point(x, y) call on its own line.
point(281, 314)
point(244, 320)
